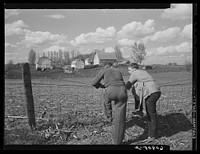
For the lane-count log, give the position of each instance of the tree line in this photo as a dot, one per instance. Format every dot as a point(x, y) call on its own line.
point(66, 57)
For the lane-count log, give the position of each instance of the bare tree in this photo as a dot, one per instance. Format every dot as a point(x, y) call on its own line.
point(32, 57)
point(60, 52)
point(138, 53)
point(118, 53)
point(73, 54)
point(67, 58)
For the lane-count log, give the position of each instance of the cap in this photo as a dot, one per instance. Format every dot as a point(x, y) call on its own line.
point(134, 65)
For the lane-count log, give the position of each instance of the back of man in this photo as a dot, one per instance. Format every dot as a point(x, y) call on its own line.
point(113, 76)
point(115, 90)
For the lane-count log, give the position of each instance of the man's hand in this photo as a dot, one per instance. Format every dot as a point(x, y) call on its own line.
point(102, 86)
point(99, 85)
point(128, 85)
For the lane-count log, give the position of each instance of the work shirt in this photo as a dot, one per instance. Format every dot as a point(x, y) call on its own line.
point(144, 84)
point(110, 76)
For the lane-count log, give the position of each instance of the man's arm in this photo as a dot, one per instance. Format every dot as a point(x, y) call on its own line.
point(131, 81)
point(97, 80)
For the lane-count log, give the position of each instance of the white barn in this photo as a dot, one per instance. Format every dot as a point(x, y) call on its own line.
point(88, 61)
point(44, 63)
point(77, 64)
point(101, 58)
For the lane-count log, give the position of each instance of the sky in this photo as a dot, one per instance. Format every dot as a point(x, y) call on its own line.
point(166, 33)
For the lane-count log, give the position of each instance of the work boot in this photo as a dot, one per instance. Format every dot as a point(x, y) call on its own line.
point(137, 113)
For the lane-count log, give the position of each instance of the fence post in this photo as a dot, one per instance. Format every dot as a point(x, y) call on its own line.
point(29, 96)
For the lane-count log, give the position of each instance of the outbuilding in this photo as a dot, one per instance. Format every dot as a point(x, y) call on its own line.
point(88, 61)
point(44, 63)
point(77, 64)
point(102, 58)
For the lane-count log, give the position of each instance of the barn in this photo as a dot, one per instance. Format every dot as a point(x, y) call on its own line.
point(102, 58)
point(44, 63)
point(67, 69)
point(88, 61)
point(77, 64)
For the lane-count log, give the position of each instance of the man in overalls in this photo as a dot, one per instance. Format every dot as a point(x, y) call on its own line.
point(115, 90)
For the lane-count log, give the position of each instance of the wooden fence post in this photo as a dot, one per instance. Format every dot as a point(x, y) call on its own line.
point(29, 96)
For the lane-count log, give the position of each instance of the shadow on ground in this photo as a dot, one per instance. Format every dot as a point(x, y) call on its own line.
point(168, 125)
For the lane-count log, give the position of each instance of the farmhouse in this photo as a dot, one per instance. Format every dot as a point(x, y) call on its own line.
point(101, 58)
point(67, 69)
point(44, 63)
point(88, 61)
point(77, 64)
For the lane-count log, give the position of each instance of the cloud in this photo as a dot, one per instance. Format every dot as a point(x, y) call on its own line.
point(100, 36)
point(15, 28)
point(109, 50)
point(137, 29)
point(11, 12)
point(187, 31)
point(56, 16)
point(54, 48)
point(163, 36)
point(178, 12)
point(126, 42)
point(163, 54)
point(184, 47)
point(38, 38)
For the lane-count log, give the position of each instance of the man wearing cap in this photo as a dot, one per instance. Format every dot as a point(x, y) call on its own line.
point(148, 91)
point(115, 90)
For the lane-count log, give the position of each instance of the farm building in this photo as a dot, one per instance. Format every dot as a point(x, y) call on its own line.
point(88, 61)
point(67, 69)
point(101, 58)
point(44, 63)
point(77, 64)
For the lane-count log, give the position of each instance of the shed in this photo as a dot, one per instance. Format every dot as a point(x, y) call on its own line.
point(44, 63)
point(67, 69)
point(77, 64)
point(102, 58)
point(88, 61)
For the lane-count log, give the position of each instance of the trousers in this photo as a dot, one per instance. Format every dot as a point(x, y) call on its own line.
point(118, 94)
point(150, 103)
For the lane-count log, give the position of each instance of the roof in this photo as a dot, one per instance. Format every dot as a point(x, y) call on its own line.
point(88, 59)
point(76, 60)
point(107, 55)
point(41, 59)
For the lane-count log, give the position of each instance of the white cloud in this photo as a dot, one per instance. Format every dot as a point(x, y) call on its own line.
point(184, 47)
point(137, 29)
point(11, 12)
point(39, 38)
point(163, 36)
point(32, 38)
point(56, 16)
point(178, 12)
point(109, 49)
point(100, 36)
point(15, 28)
point(54, 48)
point(187, 31)
point(126, 42)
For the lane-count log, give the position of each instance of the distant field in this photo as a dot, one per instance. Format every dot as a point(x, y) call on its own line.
point(15, 72)
point(160, 78)
point(74, 113)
